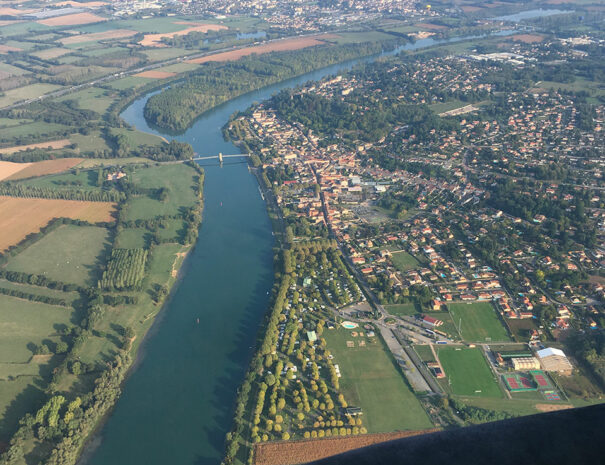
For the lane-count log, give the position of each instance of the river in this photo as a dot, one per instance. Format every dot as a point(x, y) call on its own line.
point(177, 404)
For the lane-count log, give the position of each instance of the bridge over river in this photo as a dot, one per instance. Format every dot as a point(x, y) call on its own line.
point(220, 156)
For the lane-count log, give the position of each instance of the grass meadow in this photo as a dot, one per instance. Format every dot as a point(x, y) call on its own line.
point(69, 254)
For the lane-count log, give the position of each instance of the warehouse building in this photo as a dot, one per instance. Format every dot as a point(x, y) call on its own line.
point(553, 359)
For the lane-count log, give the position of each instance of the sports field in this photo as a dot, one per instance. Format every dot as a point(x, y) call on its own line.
point(69, 254)
point(467, 372)
point(371, 381)
point(479, 322)
point(403, 261)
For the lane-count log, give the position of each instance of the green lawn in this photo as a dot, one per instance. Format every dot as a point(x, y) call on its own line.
point(479, 322)
point(177, 178)
point(467, 372)
point(409, 309)
point(371, 381)
point(70, 254)
point(425, 353)
point(403, 261)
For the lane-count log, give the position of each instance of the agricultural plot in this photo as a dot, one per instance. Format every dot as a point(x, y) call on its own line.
point(20, 216)
point(92, 142)
point(94, 99)
point(45, 167)
point(177, 179)
point(70, 254)
point(125, 269)
point(161, 54)
point(135, 139)
point(38, 129)
point(468, 372)
point(371, 381)
point(26, 92)
point(479, 322)
point(50, 145)
point(17, 396)
point(132, 238)
point(403, 261)
point(66, 181)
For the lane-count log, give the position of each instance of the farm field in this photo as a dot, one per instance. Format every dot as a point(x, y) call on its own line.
point(91, 99)
point(156, 74)
point(467, 372)
point(26, 92)
point(17, 396)
point(135, 139)
point(69, 297)
point(50, 53)
point(371, 381)
point(8, 169)
point(39, 129)
point(96, 36)
point(90, 143)
point(403, 261)
point(72, 20)
point(51, 144)
point(45, 167)
point(479, 322)
point(177, 179)
point(23, 323)
point(65, 181)
point(69, 254)
point(155, 40)
point(161, 54)
point(293, 452)
point(20, 216)
point(278, 46)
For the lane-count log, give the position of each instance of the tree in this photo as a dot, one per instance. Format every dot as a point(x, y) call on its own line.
point(61, 347)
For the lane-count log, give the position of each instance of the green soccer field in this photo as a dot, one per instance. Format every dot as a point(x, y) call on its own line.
point(467, 372)
point(371, 381)
point(478, 322)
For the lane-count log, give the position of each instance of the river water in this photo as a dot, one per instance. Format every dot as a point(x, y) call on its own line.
point(177, 405)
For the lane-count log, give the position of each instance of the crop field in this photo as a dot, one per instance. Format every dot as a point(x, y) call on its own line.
point(178, 68)
point(51, 144)
point(23, 323)
point(83, 179)
point(38, 128)
point(94, 99)
point(178, 179)
point(371, 381)
point(277, 46)
point(131, 238)
point(72, 20)
point(13, 70)
point(8, 169)
point(20, 217)
point(26, 92)
point(68, 254)
point(479, 322)
point(156, 74)
point(69, 297)
point(129, 82)
point(294, 452)
point(403, 261)
point(161, 54)
point(7, 48)
point(90, 143)
point(51, 53)
point(155, 40)
point(468, 372)
point(42, 168)
point(96, 36)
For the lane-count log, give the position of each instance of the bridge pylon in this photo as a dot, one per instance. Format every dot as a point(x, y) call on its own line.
point(220, 157)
